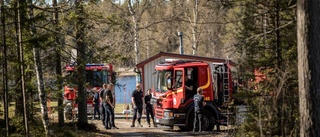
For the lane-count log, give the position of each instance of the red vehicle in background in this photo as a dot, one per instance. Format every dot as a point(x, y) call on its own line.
point(96, 76)
point(173, 104)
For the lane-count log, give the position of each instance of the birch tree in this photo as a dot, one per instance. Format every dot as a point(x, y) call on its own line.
point(38, 71)
point(22, 73)
point(194, 24)
point(136, 14)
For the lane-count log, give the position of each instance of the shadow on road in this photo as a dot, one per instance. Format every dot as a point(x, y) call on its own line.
point(161, 134)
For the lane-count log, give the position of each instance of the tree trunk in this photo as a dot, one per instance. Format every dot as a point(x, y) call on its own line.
point(18, 98)
point(279, 101)
point(194, 25)
point(38, 69)
point(136, 39)
point(81, 64)
point(308, 29)
point(136, 21)
point(5, 69)
point(58, 62)
point(25, 118)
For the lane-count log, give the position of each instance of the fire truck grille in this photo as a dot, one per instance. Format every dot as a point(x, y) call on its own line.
point(159, 113)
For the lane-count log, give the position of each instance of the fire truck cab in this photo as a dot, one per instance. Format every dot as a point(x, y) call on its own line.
point(96, 76)
point(173, 101)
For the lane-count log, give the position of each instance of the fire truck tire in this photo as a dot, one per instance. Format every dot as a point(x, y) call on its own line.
point(189, 125)
point(68, 116)
point(190, 121)
point(207, 123)
point(65, 117)
point(183, 128)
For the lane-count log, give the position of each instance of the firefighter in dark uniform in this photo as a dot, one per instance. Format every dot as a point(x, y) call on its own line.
point(189, 88)
point(149, 108)
point(96, 103)
point(198, 109)
point(137, 104)
point(109, 107)
point(102, 96)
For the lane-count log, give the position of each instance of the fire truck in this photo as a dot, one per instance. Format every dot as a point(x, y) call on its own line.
point(173, 103)
point(96, 76)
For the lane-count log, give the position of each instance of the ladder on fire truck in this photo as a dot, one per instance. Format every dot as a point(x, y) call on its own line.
point(225, 77)
point(222, 69)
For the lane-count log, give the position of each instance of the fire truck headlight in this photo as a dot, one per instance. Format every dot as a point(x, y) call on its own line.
point(68, 107)
point(68, 104)
point(168, 114)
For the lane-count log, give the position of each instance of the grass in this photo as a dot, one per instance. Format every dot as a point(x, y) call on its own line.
point(118, 109)
point(70, 129)
point(11, 109)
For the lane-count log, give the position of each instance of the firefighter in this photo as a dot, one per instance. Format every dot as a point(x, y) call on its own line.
point(103, 94)
point(189, 86)
point(96, 103)
point(149, 108)
point(109, 107)
point(137, 104)
point(198, 109)
point(113, 101)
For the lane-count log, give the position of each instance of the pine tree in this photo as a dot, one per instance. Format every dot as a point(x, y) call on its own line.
point(308, 57)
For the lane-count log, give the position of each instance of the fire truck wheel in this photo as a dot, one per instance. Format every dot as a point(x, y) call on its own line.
point(67, 116)
point(183, 128)
point(189, 125)
point(207, 121)
point(190, 121)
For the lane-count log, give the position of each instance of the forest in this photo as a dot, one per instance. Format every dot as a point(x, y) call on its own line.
point(40, 37)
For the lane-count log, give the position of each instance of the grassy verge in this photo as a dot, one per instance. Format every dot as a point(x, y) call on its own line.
point(118, 109)
point(70, 129)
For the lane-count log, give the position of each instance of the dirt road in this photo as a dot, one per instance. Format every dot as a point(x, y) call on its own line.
point(126, 131)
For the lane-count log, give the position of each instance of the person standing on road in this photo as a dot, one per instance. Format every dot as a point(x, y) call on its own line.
point(149, 108)
point(198, 108)
point(105, 106)
point(110, 107)
point(137, 104)
point(102, 98)
point(96, 102)
point(113, 101)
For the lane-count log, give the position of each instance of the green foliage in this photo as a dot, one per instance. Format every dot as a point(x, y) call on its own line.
point(16, 126)
point(107, 33)
point(268, 44)
point(73, 130)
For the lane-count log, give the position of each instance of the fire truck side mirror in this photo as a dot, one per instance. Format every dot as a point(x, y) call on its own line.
point(113, 77)
point(169, 83)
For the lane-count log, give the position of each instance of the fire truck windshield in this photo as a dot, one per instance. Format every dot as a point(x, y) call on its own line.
point(93, 78)
point(162, 77)
point(96, 78)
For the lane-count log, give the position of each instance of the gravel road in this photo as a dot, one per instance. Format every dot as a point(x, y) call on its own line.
point(126, 131)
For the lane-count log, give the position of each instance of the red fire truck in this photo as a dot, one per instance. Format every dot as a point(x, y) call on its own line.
point(173, 104)
point(96, 76)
